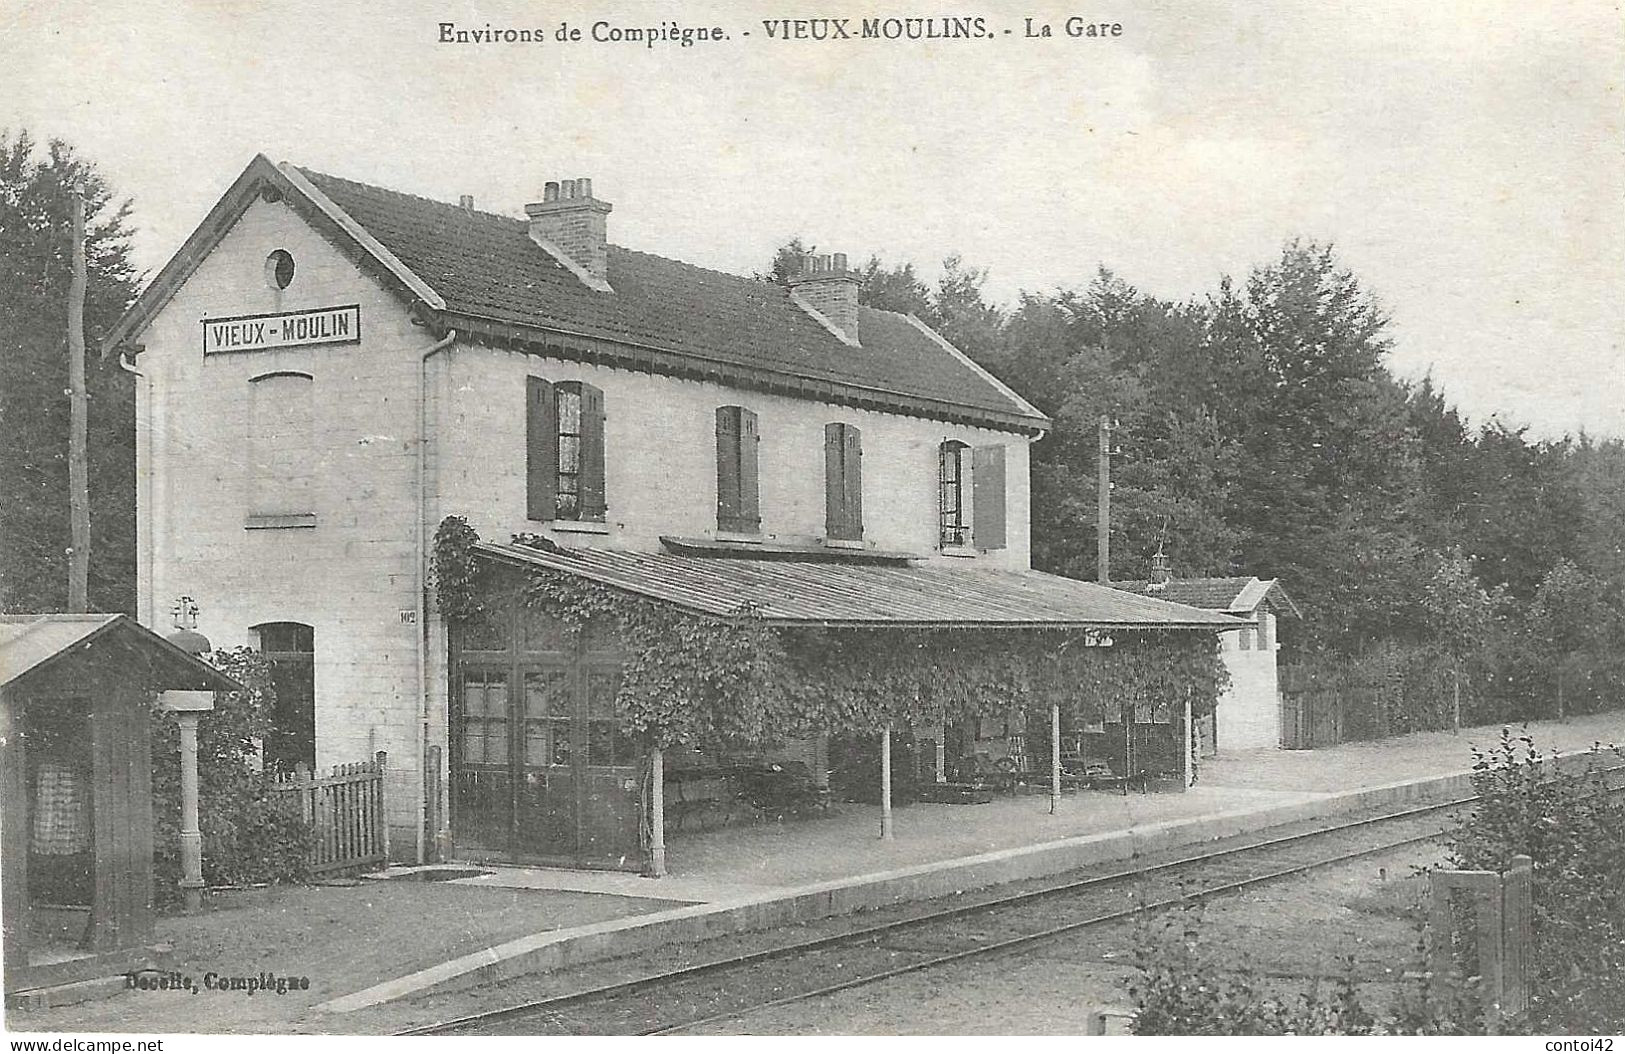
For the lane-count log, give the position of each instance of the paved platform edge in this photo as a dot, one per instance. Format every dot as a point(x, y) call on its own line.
point(553, 949)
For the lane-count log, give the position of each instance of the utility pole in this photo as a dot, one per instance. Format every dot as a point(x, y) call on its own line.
point(1103, 514)
point(78, 472)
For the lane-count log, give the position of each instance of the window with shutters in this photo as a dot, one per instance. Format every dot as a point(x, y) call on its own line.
point(738, 492)
point(952, 528)
point(564, 426)
point(281, 450)
point(843, 482)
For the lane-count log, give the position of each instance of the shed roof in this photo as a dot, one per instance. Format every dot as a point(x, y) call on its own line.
point(797, 593)
point(481, 273)
point(31, 642)
point(1240, 595)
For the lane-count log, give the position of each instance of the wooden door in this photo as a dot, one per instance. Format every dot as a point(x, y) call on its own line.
point(482, 786)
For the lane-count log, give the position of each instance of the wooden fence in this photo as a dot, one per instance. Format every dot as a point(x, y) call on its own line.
point(344, 811)
point(1323, 709)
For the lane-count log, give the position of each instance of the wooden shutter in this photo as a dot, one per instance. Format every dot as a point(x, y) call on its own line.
point(987, 498)
point(750, 495)
point(738, 502)
point(834, 482)
point(728, 503)
point(852, 468)
point(541, 449)
point(843, 482)
point(593, 503)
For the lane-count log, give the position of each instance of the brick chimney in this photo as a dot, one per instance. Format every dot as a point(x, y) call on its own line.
point(570, 223)
point(828, 290)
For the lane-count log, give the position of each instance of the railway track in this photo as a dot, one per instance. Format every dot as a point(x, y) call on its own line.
point(863, 952)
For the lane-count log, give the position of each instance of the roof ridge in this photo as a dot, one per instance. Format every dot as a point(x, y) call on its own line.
point(452, 206)
point(517, 221)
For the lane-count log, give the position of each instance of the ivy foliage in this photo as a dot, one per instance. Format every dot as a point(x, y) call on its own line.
point(453, 572)
point(691, 678)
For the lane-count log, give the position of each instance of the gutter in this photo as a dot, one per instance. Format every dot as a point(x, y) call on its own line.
point(422, 584)
point(128, 366)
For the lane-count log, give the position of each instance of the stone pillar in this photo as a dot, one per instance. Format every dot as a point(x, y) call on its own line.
point(885, 785)
point(191, 882)
point(657, 813)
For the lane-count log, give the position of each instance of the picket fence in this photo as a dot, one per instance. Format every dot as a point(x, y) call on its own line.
point(344, 811)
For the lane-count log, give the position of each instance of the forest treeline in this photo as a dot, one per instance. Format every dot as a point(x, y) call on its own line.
point(1259, 431)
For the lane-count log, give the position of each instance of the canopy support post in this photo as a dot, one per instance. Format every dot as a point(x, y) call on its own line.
point(1054, 757)
point(885, 785)
point(657, 813)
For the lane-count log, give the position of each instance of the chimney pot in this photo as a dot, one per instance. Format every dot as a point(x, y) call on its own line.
point(585, 187)
point(551, 191)
point(840, 261)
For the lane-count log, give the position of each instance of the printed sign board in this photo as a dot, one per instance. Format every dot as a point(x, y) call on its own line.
point(321, 325)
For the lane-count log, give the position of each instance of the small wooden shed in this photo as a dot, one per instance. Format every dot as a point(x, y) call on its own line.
point(76, 823)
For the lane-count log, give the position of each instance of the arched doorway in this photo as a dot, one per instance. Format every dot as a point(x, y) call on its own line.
point(291, 649)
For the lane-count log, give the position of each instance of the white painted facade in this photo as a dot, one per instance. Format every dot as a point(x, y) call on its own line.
point(354, 574)
point(1249, 712)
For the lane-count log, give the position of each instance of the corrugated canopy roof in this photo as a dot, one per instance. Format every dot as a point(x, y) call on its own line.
point(792, 593)
point(30, 642)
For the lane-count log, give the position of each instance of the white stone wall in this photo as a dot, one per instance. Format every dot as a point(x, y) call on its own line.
point(660, 459)
point(351, 576)
point(1249, 712)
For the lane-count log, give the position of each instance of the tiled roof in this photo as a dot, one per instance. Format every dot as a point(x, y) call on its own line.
point(28, 642)
point(1215, 594)
point(793, 593)
point(485, 265)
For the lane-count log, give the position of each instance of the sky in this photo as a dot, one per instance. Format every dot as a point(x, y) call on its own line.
point(1464, 156)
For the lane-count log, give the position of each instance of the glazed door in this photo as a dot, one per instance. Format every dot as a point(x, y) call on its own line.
point(540, 771)
point(482, 760)
point(548, 780)
point(610, 800)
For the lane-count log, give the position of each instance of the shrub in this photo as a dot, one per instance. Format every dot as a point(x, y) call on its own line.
point(1575, 834)
point(249, 835)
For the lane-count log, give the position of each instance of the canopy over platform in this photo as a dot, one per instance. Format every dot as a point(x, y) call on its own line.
point(797, 593)
point(31, 644)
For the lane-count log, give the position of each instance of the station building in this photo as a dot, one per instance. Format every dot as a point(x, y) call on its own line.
point(327, 370)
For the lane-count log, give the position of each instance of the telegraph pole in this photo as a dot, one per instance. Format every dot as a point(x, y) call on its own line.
point(1103, 514)
point(78, 473)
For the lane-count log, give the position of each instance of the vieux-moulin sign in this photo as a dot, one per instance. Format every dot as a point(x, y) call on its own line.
point(283, 329)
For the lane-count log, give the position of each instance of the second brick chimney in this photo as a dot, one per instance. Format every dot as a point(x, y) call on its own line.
point(828, 290)
point(570, 223)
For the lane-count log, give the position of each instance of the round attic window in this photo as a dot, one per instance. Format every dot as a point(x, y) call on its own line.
point(279, 269)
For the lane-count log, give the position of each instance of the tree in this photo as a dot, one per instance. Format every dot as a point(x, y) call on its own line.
point(1568, 617)
point(35, 271)
point(1461, 614)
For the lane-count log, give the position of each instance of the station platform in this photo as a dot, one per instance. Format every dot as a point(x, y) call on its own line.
point(745, 878)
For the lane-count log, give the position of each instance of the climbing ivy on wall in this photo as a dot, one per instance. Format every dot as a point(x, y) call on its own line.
point(690, 678)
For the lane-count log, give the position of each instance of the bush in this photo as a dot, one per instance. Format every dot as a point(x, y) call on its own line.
point(249, 835)
point(1575, 834)
point(1570, 828)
